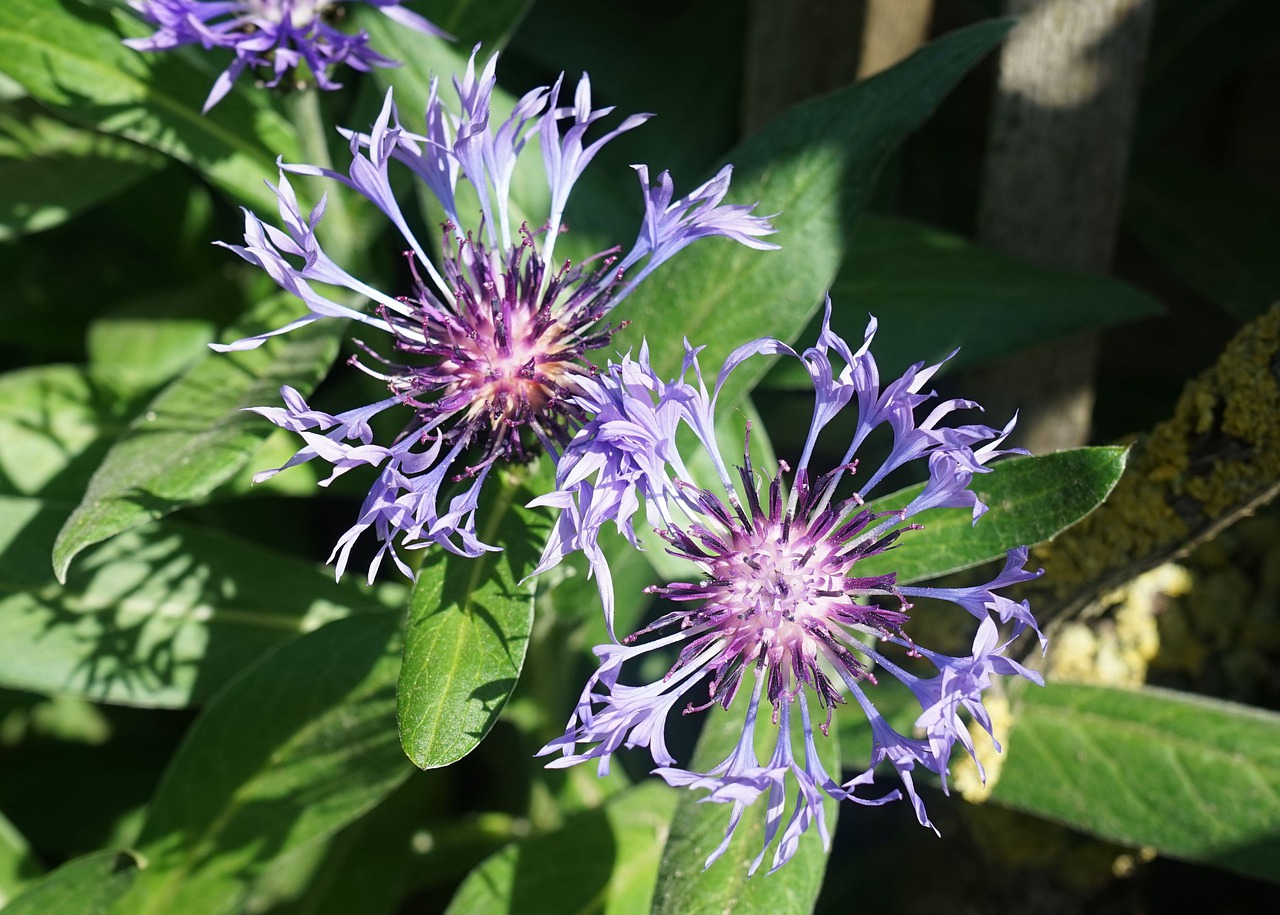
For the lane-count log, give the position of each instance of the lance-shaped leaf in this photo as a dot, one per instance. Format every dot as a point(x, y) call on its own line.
point(50, 170)
point(815, 166)
point(1030, 499)
point(83, 886)
point(697, 828)
point(468, 630)
point(161, 616)
point(18, 864)
point(194, 436)
point(293, 750)
point(1193, 778)
point(932, 291)
point(601, 860)
point(69, 56)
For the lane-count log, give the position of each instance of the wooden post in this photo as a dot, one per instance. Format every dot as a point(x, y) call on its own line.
point(1053, 184)
point(796, 50)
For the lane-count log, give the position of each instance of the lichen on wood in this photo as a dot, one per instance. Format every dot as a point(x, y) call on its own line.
point(1216, 459)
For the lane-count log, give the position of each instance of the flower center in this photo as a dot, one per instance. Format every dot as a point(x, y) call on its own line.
point(510, 374)
point(506, 349)
point(780, 591)
point(779, 588)
point(299, 12)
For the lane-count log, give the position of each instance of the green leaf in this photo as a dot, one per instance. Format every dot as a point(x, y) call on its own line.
point(51, 170)
point(815, 166)
point(697, 828)
point(300, 745)
point(194, 436)
point(932, 291)
point(1217, 231)
point(70, 57)
point(602, 860)
point(1193, 778)
point(83, 886)
point(1031, 499)
point(18, 864)
point(470, 22)
point(55, 424)
point(142, 352)
point(468, 630)
point(161, 616)
point(365, 868)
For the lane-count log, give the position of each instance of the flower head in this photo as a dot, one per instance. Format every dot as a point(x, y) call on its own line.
point(778, 603)
point(272, 38)
point(489, 343)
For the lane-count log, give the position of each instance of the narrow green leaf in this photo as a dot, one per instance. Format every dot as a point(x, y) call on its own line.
point(69, 56)
point(18, 864)
point(932, 291)
point(1193, 778)
point(468, 630)
point(1031, 499)
point(1217, 231)
point(51, 170)
point(83, 886)
point(601, 861)
point(161, 616)
point(300, 745)
point(55, 423)
point(194, 436)
point(697, 828)
point(815, 166)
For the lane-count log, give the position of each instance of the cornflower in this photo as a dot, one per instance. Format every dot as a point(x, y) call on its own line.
point(273, 38)
point(493, 335)
point(776, 600)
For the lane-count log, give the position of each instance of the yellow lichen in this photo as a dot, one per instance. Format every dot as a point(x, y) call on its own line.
point(1218, 453)
point(1118, 650)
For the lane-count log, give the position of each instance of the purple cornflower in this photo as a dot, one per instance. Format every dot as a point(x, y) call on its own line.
point(270, 37)
point(494, 335)
point(778, 601)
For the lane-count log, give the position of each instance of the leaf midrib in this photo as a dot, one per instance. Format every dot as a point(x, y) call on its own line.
point(162, 100)
point(479, 567)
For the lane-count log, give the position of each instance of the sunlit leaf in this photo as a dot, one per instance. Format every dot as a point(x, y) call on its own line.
point(1193, 778)
point(300, 745)
point(468, 630)
point(195, 436)
point(815, 166)
point(601, 861)
point(1031, 500)
point(69, 56)
point(161, 616)
point(56, 422)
